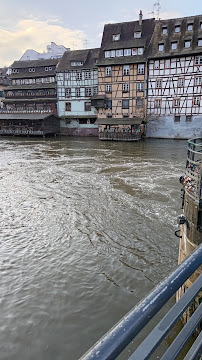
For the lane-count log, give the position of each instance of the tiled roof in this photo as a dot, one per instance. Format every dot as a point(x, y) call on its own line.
point(34, 63)
point(26, 116)
point(30, 75)
point(31, 87)
point(87, 56)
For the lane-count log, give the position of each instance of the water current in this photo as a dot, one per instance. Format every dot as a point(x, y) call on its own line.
point(86, 231)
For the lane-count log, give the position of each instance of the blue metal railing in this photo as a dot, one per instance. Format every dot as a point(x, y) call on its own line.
point(116, 340)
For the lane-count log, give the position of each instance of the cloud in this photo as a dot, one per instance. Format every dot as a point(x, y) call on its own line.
point(35, 34)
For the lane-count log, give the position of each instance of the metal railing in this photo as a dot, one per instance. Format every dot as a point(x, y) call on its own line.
point(193, 176)
point(115, 341)
point(118, 136)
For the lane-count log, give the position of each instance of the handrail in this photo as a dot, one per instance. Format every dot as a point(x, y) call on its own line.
point(116, 340)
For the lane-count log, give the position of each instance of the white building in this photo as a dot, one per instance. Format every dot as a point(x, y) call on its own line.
point(53, 51)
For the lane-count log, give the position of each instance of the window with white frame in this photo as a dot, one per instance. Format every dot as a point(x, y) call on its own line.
point(197, 80)
point(196, 101)
point(76, 63)
point(125, 87)
point(78, 76)
point(88, 92)
point(108, 88)
point(116, 37)
point(199, 42)
point(177, 28)
point(159, 83)
point(126, 69)
point(77, 92)
point(107, 53)
point(156, 64)
point(113, 53)
point(180, 82)
point(140, 50)
point(189, 27)
point(140, 69)
point(198, 60)
point(125, 104)
point(187, 44)
point(167, 63)
point(67, 92)
point(127, 52)
point(160, 47)
point(46, 68)
point(50, 68)
point(137, 34)
point(15, 71)
point(108, 71)
point(87, 74)
point(174, 45)
point(164, 30)
point(31, 69)
point(176, 102)
point(119, 52)
point(134, 51)
point(140, 86)
point(157, 103)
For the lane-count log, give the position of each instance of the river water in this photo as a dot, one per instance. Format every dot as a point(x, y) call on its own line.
point(87, 230)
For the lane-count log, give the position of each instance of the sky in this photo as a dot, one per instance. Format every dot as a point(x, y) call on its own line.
point(76, 24)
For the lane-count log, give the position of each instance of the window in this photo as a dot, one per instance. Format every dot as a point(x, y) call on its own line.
point(161, 47)
point(95, 90)
point(174, 45)
point(139, 102)
point(189, 27)
point(31, 69)
point(15, 71)
point(180, 82)
point(87, 106)
point(177, 118)
point(196, 101)
point(126, 70)
point(176, 102)
point(76, 63)
point(187, 44)
point(198, 60)
point(125, 87)
point(125, 104)
point(137, 34)
point(167, 63)
point(199, 42)
point(156, 64)
point(108, 88)
point(68, 106)
point(107, 53)
point(88, 92)
point(119, 52)
point(87, 74)
point(77, 92)
point(50, 68)
point(46, 68)
point(134, 51)
point(67, 92)
point(140, 51)
point(113, 53)
point(78, 76)
point(157, 103)
point(140, 68)
point(116, 37)
point(108, 104)
point(200, 25)
point(164, 30)
point(108, 71)
point(127, 52)
point(188, 118)
point(140, 86)
point(159, 84)
point(197, 80)
point(177, 28)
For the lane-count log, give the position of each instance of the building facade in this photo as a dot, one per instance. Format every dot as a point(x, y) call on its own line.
point(77, 82)
point(122, 75)
point(175, 79)
point(54, 51)
point(33, 87)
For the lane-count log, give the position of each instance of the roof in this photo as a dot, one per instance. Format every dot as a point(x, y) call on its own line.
point(26, 116)
point(36, 74)
point(127, 40)
point(34, 63)
point(122, 121)
point(31, 86)
point(179, 37)
point(31, 99)
point(87, 56)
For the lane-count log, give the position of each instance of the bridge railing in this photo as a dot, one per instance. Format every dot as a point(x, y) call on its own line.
point(115, 341)
point(193, 177)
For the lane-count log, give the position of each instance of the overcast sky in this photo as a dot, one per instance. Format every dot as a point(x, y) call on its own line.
point(77, 24)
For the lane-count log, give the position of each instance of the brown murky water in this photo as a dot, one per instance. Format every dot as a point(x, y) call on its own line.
point(87, 230)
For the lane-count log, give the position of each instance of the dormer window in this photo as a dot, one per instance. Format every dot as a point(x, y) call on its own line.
point(189, 27)
point(164, 30)
point(177, 28)
point(107, 54)
point(76, 63)
point(187, 44)
point(199, 42)
point(127, 52)
point(31, 69)
point(161, 47)
point(137, 34)
point(174, 45)
point(116, 37)
point(119, 52)
point(140, 51)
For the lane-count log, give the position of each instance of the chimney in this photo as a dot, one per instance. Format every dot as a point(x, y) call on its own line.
point(140, 17)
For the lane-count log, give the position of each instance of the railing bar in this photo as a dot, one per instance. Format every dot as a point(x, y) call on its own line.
point(152, 341)
point(116, 340)
point(196, 349)
point(184, 335)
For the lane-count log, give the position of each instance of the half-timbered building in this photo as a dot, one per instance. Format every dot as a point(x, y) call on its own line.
point(175, 79)
point(122, 76)
point(77, 82)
